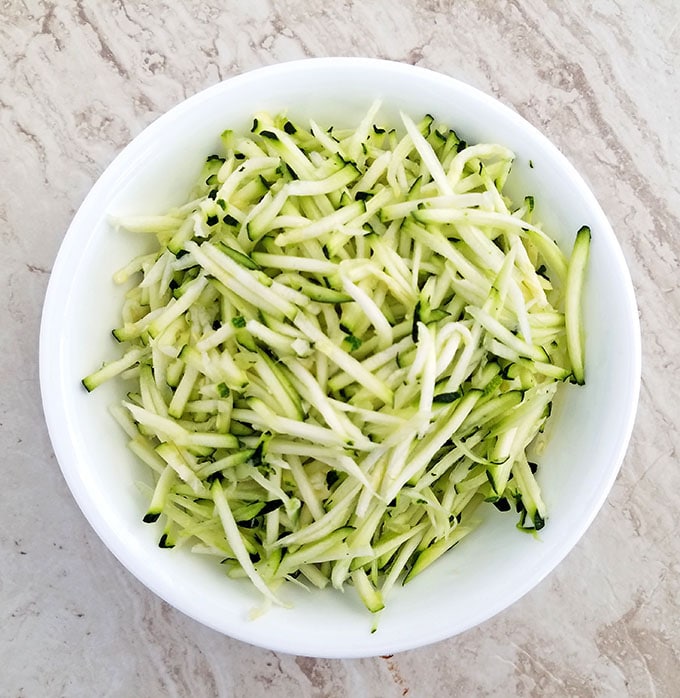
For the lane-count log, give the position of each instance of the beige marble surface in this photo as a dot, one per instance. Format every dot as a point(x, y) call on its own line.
point(78, 80)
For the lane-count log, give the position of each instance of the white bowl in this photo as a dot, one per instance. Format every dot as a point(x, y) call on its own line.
point(589, 429)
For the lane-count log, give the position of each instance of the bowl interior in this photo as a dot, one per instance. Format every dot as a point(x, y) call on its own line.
point(589, 428)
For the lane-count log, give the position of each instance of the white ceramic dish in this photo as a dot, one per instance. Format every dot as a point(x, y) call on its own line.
point(589, 429)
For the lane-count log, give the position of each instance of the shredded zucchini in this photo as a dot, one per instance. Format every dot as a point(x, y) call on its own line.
point(343, 346)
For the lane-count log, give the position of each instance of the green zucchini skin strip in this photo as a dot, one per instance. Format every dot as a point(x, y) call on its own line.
point(342, 347)
point(573, 316)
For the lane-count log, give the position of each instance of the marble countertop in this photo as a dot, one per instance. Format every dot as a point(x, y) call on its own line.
point(78, 80)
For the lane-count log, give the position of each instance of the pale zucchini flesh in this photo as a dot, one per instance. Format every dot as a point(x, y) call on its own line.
point(341, 351)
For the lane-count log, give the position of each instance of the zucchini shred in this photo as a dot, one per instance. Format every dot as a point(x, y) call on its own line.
point(343, 346)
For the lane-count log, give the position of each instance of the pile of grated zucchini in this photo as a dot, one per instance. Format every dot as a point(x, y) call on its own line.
point(343, 345)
